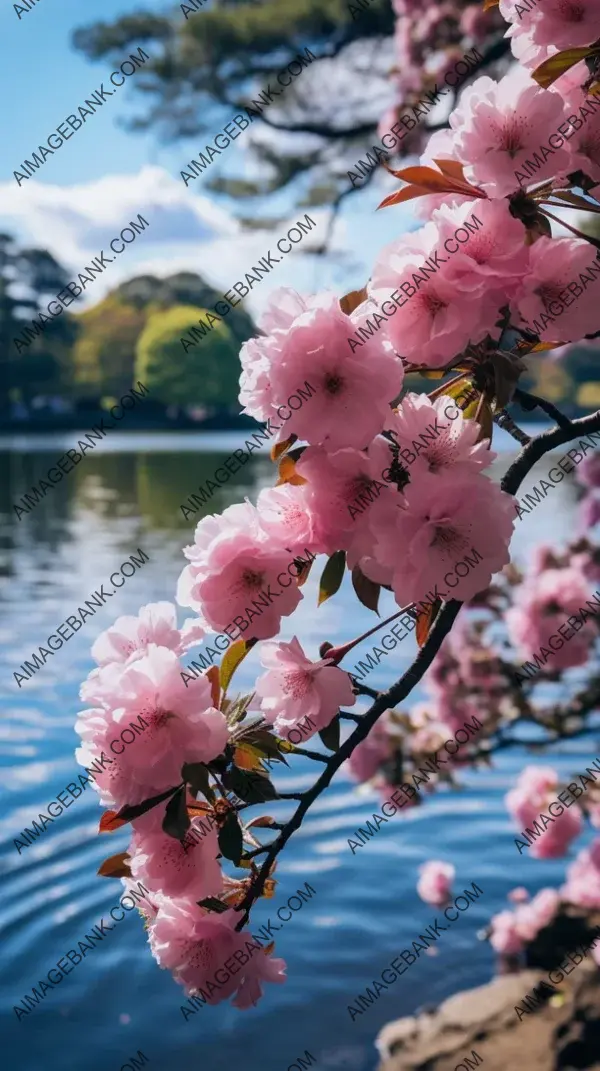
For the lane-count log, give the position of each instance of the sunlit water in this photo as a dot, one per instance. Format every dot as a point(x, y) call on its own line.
point(125, 496)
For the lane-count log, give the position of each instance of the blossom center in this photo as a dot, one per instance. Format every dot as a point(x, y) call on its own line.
point(570, 11)
point(433, 304)
point(448, 538)
point(510, 137)
point(297, 683)
point(333, 383)
point(252, 579)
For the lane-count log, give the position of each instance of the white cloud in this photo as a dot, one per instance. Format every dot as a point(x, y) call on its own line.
point(187, 232)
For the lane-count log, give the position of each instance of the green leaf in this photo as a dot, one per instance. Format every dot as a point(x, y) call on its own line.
point(330, 735)
point(177, 820)
point(129, 813)
point(265, 742)
point(249, 787)
point(210, 903)
point(237, 709)
point(332, 576)
point(195, 775)
point(231, 841)
point(231, 660)
point(367, 590)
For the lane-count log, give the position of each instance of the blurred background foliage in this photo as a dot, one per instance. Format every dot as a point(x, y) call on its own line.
point(88, 359)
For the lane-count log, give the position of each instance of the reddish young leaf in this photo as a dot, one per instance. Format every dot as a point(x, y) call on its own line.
point(352, 300)
point(406, 194)
point(280, 448)
point(215, 685)
point(116, 866)
point(264, 821)
point(451, 168)
point(489, 4)
point(111, 821)
point(425, 619)
point(551, 69)
point(287, 472)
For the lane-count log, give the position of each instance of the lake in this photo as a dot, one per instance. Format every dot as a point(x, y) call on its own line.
point(126, 495)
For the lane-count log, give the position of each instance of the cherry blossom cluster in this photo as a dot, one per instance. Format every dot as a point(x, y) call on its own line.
point(467, 295)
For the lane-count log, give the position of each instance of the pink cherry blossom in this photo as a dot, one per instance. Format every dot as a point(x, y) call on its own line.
point(367, 757)
point(498, 125)
point(582, 886)
point(437, 526)
point(535, 790)
point(495, 258)
point(234, 577)
point(155, 624)
point(505, 937)
point(584, 145)
point(588, 470)
point(561, 23)
point(518, 895)
point(351, 391)
point(187, 869)
point(538, 622)
point(554, 264)
point(285, 515)
point(176, 725)
point(431, 325)
point(435, 882)
point(435, 438)
point(196, 946)
point(340, 488)
point(537, 914)
point(295, 689)
point(513, 930)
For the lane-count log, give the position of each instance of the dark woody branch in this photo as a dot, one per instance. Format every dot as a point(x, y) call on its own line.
point(517, 471)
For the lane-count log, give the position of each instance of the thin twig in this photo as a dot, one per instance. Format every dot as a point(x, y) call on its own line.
point(517, 471)
point(529, 402)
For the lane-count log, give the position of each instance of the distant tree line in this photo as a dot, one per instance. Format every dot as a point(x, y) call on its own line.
point(133, 333)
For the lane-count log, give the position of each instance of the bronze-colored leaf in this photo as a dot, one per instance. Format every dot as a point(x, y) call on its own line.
point(247, 757)
point(332, 576)
point(210, 903)
point(215, 685)
point(279, 449)
point(231, 660)
point(305, 568)
point(407, 193)
point(116, 866)
point(425, 619)
point(489, 4)
point(452, 168)
point(351, 301)
point(287, 472)
point(367, 590)
point(264, 822)
point(552, 68)
point(110, 821)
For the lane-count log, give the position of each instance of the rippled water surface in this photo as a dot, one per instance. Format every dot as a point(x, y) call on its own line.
point(125, 496)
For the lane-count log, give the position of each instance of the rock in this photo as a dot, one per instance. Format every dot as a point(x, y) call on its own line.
point(562, 1035)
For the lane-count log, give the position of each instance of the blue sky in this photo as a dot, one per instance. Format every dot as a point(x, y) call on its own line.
point(84, 193)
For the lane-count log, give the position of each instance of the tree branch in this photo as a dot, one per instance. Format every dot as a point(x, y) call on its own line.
point(529, 402)
point(529, 455)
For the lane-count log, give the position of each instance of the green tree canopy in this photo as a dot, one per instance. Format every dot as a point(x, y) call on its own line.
point(104, 354)
point(206, 375)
